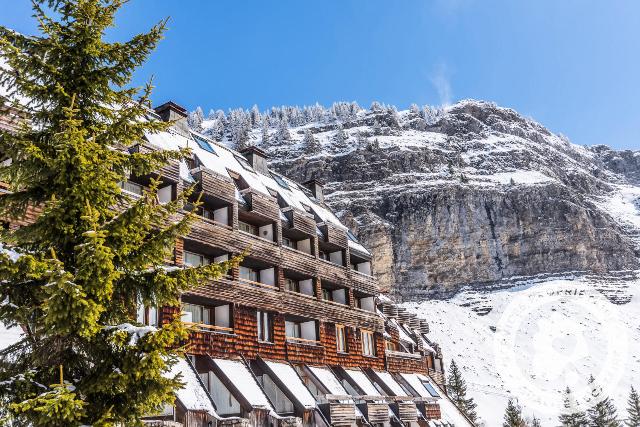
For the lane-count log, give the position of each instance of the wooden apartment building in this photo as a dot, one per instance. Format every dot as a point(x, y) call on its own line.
point(298, 334)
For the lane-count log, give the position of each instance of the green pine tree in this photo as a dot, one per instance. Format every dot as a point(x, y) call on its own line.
point(633, 409)
point(513, 416)
point(457, 391)
point(93, 254)
point(571, 415)
point(602, 413)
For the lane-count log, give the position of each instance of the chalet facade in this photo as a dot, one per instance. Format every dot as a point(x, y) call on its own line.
point(298, 334)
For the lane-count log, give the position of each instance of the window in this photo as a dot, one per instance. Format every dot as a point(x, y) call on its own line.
point(206, 213)
point(148, 315)
point(248, 228)
point(203, 143)
point(368, 343)
point(341, 339)
point(327, 294)
point(192, 313)
point(390, 346)
point(323, 255)
point(265, 326)
point(193, 259)
point(219, 316)
point(351, 236)
point(131, 187)
point(291, 285)
point(281, 182)
point(292, 329)
point(288, 243)
point(247, 273)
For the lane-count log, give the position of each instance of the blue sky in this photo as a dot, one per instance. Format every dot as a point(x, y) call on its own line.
point(573, 65)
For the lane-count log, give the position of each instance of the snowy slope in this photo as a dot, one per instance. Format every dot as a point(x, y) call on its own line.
point(537, 339)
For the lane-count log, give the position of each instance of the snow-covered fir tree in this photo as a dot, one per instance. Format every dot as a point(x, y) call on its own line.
point(195, 119)
point(340, 136)
point(239, 128)
point(457, 390)
point(602, 412)
point(265, 137)
point(310, 143)
point(87, 261)
point(633, 409)
point(535, 422)
point(255, 117)
point(282, 135)
point(571, 415)
point(513, 415)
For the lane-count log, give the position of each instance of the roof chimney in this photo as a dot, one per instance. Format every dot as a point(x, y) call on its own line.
point(172, 112)
point(257, 159)
point(316, 189)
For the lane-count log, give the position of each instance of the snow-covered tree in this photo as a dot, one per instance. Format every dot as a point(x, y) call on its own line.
point(282, 135)
point(264, 141)
point(602, 412)
point(310, 143)
point(376, 107)
point(571, 415)
point(195, 119)
point(340, 135)
point(457, 390)
point(377, 129)
point(513, 416)
point(239, 128)
point(87, 260)
point(633, 409)
point(254, 114)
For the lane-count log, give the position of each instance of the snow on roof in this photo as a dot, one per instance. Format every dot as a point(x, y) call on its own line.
point(357, 246)
point(192, 395)
point(244, 381)
point(402, 333)
point(363, 382)
point(292, 381)
point(425, 344)
point(329, 380)
point(9, 336)
point(390, 382)
point(416, 384)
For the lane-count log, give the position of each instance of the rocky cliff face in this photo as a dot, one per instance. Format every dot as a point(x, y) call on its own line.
point(471, 194)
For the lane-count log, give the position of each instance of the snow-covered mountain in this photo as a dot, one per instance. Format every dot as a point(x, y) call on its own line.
point(518, 246)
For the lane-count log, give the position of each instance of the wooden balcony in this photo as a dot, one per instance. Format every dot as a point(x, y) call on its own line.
point(333, 234)
point(301, 221)
point(261, 205)
point(375, 412)
point(406, 411)
point(363, 283)
point(214, 186)
point(268, 298)
point(339, 414)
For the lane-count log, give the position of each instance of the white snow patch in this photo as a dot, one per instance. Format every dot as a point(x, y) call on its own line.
point(548, 336)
